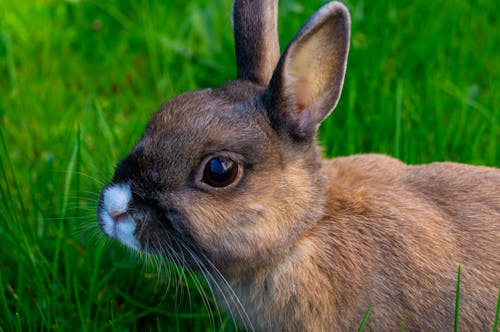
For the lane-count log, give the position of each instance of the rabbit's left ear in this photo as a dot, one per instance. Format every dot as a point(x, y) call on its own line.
point(307, 82)
point(255, 24)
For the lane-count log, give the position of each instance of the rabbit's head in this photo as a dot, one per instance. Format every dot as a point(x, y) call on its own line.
point(231, 174)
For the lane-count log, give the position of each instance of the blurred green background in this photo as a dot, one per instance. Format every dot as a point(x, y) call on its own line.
point(79, 79)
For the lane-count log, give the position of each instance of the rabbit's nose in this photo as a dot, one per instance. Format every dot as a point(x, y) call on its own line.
point(117, 217)
point(116, 201)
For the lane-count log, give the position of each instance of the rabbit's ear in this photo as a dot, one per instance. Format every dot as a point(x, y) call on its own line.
point(308, 79)
point(256, 39)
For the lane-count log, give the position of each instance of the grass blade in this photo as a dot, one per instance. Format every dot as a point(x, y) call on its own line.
point(495, 323)
point(397, 136)
point(365, 318)
point(70, 170)
point(4, 305)
point(403, 328)
point(457, 301)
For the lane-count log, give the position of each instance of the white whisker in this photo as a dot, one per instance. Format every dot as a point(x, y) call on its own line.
point(246, 318)
point(198, 285)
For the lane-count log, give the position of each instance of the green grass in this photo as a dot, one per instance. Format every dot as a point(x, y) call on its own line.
point(79, 79)
point(457, 302)
point(497, 312)
point(365, 318)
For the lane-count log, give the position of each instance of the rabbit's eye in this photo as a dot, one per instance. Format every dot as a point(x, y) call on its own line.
point(220, 172)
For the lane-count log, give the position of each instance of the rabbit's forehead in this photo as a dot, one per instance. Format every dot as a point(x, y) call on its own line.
point(199, 123)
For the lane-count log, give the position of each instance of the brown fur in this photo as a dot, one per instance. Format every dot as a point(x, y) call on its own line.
point(390, 239)
point(301, 243)
point(256, 39)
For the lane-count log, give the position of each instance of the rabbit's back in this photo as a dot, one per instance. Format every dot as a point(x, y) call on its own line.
point(401, 231)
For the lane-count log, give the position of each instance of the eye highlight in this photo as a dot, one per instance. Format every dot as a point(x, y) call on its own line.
point(219, 172)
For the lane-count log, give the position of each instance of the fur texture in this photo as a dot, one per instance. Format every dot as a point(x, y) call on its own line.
point(298, 243)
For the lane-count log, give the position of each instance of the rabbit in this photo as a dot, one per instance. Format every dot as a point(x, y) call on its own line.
point(230, 181)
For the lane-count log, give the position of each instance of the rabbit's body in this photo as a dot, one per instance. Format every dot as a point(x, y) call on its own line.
point(392, 237)
point(230, 181)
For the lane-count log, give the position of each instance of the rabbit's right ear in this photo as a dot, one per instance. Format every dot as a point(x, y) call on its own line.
point(255, 26)
point(308, 79)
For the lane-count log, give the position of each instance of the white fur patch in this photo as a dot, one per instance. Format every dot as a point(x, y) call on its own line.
point(116, 222)
point(116, 199)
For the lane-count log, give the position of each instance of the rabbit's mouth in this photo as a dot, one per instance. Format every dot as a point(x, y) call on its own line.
point(120, 227)
point(113, 216)
point(145, 227)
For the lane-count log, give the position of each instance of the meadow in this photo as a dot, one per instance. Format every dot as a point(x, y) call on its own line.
point(80, 78)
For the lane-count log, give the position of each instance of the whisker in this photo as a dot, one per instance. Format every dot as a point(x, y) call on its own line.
point(68, 218)
point(239, 307)
point(246, 319)
point(199, 286)
point(96, 180)
point(79, 199)
point(178, 262)
point(93, 193)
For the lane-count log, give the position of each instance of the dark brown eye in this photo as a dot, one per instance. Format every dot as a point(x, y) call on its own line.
point(220, 172)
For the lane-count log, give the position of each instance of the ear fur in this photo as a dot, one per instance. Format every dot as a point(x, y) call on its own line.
point(308, 79)
point(256, 41)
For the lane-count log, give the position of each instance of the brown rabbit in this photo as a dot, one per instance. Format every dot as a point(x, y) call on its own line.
point(231, 182)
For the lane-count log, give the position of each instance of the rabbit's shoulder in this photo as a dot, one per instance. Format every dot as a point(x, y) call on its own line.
point(360, 169)
point(458, 191)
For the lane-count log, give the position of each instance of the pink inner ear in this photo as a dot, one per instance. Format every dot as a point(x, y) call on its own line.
point(303, 100)
point(302, 94)
point(301, 106)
